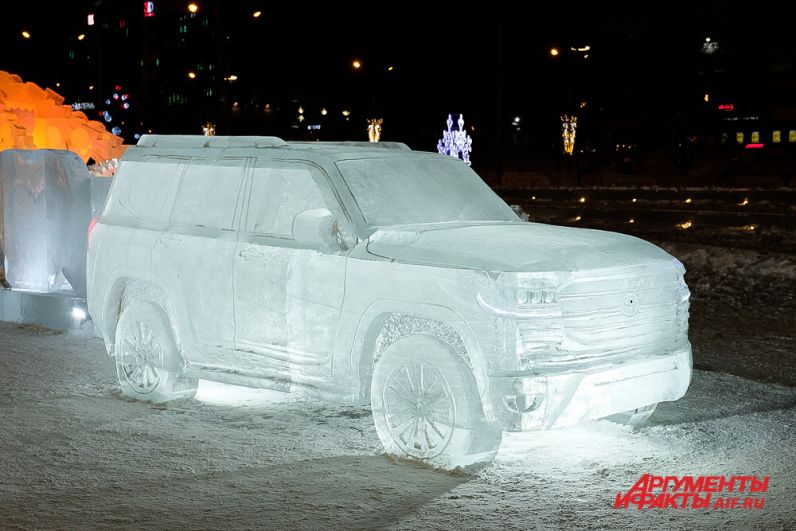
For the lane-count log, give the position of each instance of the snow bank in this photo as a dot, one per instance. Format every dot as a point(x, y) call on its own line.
point(722, 261)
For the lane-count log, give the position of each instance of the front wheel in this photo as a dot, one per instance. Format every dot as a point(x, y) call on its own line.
point(148, 363)
point(426, 405)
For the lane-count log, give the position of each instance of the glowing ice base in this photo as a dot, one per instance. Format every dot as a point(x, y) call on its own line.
point(46, 210)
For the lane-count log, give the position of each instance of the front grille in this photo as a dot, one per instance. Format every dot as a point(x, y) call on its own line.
point(610, 314)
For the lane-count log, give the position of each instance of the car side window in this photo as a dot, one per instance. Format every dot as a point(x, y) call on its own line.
point(277, 195)
point(208, 195)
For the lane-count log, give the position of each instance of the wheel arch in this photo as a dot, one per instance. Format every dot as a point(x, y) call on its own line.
point(126, 289)
point(385, 322)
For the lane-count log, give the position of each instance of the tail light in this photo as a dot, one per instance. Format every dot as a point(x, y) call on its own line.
point(91, 225)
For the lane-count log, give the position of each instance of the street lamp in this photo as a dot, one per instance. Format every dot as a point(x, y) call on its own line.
point(553, 51)
point(356, 64)
point(193, 8)
point(192, 75)
point(257, 14)
point(26, 34)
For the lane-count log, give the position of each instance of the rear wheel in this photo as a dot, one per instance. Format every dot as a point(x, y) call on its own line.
point(426, 405)
point(148, 363)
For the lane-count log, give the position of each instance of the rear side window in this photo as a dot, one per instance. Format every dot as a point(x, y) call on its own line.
point(278, 194)
point(144, 188)
point(208, 194)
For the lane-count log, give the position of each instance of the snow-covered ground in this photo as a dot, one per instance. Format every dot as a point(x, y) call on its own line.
point(75, 454)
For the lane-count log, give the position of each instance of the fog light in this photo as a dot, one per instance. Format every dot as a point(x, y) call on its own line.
point(528, 394)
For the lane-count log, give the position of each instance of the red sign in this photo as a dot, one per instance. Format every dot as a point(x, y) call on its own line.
point(726, 107)
point(754, 146)
point(149, 9)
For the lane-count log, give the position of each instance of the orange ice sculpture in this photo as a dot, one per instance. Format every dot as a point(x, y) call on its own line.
point(32, 118)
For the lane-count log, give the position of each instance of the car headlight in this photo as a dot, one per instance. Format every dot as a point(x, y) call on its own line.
point(520, 303)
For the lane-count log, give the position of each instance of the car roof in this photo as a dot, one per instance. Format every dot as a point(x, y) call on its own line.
point(260, 145)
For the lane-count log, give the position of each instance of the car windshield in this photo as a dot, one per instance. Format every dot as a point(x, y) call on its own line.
point(397, 191)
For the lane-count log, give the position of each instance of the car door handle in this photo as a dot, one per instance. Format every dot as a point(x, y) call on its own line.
point(251, 254)
point(169, 239)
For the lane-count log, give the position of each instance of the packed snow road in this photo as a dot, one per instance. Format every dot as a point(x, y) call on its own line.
point(75, 454)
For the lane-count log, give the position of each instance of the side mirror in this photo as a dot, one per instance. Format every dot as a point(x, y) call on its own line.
point(317, 226)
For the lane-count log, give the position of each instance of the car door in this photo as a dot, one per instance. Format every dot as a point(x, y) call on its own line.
point(195, 254)
point(288, 294)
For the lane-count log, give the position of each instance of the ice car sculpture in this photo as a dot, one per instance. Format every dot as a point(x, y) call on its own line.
point(380, 274)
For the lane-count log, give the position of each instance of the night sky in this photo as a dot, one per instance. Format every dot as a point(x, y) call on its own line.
point(645, 70)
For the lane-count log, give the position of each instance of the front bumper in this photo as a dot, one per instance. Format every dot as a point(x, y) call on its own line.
point(534, 400)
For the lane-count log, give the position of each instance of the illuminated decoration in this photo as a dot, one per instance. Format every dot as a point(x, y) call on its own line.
point(739, 137)
point(346, 113)
point(374, 129)
point(149, 9)
point(755, 145)
point(35, 118)
point(709, 47)
point(755, 137)
point(569, 125)
point(456, 143)
point(727, 107)
point(91, 19)
point(324, 112)
point(209, 129)
point(776, 137)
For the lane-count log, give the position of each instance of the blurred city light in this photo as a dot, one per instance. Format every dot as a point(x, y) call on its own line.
point(356, 64)
point(193, 8)
point(553, 51)
point(192, 75)
point(26, 34)
point(257, 14)
point(81, 37)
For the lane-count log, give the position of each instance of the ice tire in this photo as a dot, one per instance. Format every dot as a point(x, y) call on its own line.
point(148, 364)
point(426, 405)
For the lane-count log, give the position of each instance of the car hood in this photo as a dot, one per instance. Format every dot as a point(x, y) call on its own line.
point(511, 246)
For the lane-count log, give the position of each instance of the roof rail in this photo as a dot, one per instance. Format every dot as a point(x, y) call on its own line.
point(354, 143)
point(201, 141)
